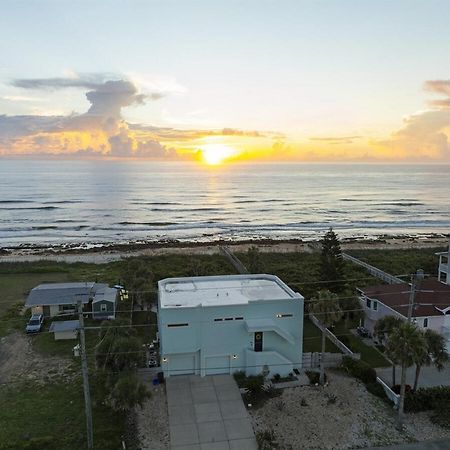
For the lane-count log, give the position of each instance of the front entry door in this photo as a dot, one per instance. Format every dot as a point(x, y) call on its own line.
point(258, 341)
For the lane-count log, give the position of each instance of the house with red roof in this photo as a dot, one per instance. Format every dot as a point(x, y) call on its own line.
point(431, 306)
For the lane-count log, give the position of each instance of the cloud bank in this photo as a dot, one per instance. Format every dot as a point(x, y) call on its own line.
point(101, 130)
point(426, 134)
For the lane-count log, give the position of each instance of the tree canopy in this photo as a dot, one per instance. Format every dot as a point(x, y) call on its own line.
point(331, 262)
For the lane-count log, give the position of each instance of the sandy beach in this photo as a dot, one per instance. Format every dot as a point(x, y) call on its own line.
point(104, 253)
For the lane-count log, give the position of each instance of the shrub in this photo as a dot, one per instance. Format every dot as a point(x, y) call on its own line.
point(314, 377)
point(397, 388)
point(254, 384)
point(266, 440)
point(426, 399)
point(441, 414)
point(359, 369)
point(240, 378)
point(376, 389)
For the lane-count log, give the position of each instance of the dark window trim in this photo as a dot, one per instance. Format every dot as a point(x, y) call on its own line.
point(238, 318)
point(228, 318)
point(174, 325)
point(287, 315)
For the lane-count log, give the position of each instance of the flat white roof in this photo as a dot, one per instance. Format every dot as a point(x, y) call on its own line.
point(223, 290)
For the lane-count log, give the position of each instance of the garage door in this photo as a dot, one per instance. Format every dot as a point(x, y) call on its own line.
point(183, 364)
point(217, 364)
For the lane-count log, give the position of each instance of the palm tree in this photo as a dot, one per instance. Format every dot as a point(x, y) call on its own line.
point(326, 307)
point(434, 353)
point(382, 329)
point(406, 344)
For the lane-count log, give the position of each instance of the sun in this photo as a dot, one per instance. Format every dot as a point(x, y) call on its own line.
point(214, 154)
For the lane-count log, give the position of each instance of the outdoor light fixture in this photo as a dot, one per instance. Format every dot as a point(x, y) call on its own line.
point(164, 359)
point(279, 316)
point(234, 356)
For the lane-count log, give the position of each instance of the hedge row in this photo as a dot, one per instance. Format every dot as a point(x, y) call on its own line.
point(427, 399)
point(359, 369)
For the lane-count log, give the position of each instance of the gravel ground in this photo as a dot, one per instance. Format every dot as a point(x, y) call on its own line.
point(18, 361)
point(341, 415)
point(153, 421)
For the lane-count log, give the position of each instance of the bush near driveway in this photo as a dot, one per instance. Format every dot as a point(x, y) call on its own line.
point(359, 369)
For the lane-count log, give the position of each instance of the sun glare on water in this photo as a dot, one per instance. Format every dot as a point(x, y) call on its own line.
point(214, 154)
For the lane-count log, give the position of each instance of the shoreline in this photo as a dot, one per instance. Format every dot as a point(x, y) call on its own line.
point(106, 253)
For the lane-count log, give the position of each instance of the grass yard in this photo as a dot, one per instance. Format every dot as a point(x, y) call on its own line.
point(312, 339)
point(369, 354)
point(52, 417)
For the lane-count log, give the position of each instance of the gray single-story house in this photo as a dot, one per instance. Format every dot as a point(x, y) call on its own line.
point(104, 304)
point(65, 329)
point(55, 299)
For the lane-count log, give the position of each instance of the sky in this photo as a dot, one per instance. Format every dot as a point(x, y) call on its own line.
point(224, 80)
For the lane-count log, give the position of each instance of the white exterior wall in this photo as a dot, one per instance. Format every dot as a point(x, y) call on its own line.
point(227, 346)
point(440, 324)
point(371, 315)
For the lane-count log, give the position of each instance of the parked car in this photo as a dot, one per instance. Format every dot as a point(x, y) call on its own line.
point(35, 323)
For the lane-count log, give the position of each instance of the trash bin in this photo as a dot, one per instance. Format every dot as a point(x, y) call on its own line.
point(155, 382)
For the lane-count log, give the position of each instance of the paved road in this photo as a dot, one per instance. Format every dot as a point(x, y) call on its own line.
point(429, 376)
point(443, 444)
point(207, 414)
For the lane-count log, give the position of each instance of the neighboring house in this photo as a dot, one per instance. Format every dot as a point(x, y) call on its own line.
point(223, 324)
point(104, 303)
point(431, 306)
point(65, 329)
point(53, 299)
point(444, 266)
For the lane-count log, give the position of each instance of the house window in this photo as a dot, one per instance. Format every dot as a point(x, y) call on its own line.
point(67, 308)
point(425, 322)
point(103, 307)
point(375, 305)
point(368, 302)
point(174, 325)
point(228, 318)
point(238, 318)
point(218, 320)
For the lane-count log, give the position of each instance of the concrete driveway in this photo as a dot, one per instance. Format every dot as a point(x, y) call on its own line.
point(429, 376)
point(207, 414)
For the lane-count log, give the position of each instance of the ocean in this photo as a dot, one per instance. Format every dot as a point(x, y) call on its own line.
point(97, 202)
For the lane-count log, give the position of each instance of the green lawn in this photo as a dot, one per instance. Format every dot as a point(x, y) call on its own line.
point(369, 354)
point(54, 413)
point(312, 339)
point(312, 343)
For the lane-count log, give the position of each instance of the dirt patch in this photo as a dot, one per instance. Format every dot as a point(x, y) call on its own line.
point(153, 421)
point(341, 415)
point(18, 362)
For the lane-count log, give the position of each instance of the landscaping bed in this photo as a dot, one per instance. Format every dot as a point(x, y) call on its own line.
point(340, 415)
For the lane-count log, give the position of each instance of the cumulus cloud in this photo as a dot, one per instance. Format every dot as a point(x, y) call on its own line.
point(426, 134)
point(101, 130)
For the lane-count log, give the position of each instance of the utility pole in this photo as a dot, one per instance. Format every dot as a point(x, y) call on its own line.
point(84, 367)
point(415, 278)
